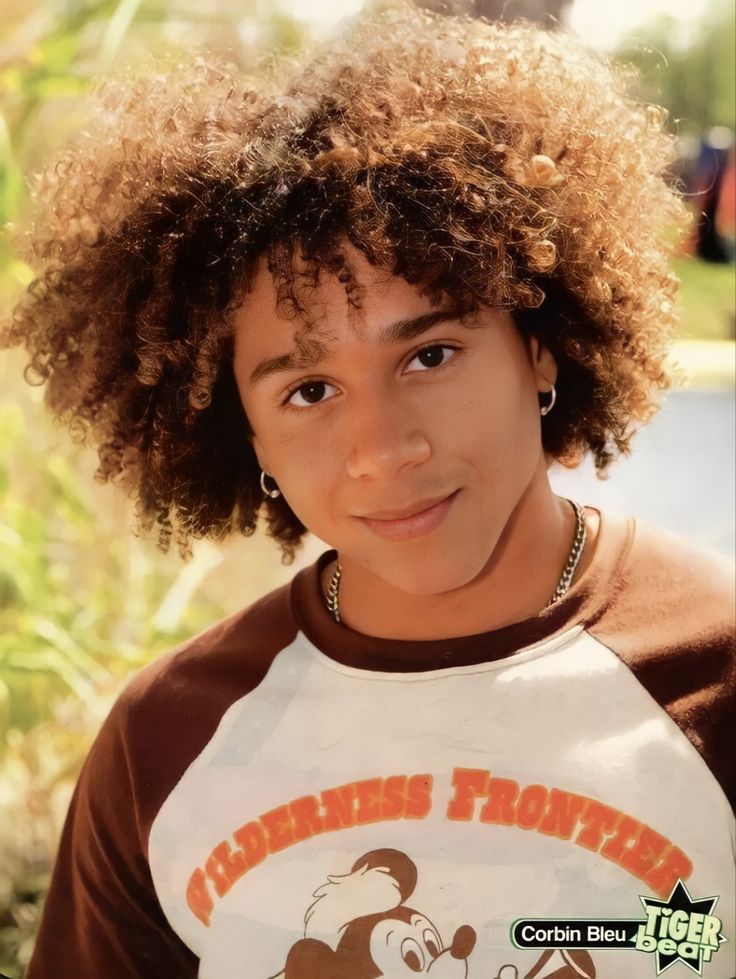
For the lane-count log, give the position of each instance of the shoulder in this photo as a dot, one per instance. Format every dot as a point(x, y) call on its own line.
point(670, 616)
point(168, 711)
point(229, 657)
point(669, 594)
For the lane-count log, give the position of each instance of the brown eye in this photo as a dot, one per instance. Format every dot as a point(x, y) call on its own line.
point(431, 356)
point(412, 955)
point(432, 943)
point(437, 355)
point(310, 393)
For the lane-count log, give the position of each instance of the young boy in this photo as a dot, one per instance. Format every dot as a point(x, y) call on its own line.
point(487, 733)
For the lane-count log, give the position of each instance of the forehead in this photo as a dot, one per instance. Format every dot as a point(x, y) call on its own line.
point(327, 316)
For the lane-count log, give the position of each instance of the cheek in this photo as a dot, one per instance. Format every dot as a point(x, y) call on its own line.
point(308, 470)
point(497, 426)
point(385, 951)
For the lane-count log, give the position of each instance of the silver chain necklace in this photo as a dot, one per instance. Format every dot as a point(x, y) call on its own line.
point(573, 559)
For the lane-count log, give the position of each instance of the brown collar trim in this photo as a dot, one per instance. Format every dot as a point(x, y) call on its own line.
point(581, 604)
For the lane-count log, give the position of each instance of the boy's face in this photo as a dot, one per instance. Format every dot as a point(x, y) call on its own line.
point(399, 434)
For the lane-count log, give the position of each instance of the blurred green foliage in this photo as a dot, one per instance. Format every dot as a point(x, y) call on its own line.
point(79, 606)
point(707, 300)
point(693, 73)
point(82, 603)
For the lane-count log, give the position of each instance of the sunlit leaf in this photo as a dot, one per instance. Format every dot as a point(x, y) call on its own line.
point(21, 272)
point(52, 662)
point(65, 486)
point(57, 52)
point(58, 86)
point(117, 28)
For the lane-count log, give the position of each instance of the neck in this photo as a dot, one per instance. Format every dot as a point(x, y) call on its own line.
point(538, 535)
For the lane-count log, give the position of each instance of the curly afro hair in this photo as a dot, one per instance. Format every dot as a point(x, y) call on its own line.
point(485, 163)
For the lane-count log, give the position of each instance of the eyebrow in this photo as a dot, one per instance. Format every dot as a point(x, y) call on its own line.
point(399, 332)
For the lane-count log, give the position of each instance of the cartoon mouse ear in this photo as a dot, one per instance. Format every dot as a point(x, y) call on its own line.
point(399, 866)
point(310, 959)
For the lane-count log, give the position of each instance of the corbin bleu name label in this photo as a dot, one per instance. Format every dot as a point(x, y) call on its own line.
point(540, 933)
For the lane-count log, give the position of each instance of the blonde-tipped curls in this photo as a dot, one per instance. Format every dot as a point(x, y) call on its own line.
point(490, 164)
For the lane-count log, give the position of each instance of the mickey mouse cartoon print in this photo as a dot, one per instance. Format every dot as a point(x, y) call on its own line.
point(367, 931)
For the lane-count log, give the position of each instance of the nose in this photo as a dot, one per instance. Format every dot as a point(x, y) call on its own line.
point(452, 963)
point(463, 943)
point(383, 439)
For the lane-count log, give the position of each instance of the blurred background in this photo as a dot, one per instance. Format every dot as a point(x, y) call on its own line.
point(83, 602)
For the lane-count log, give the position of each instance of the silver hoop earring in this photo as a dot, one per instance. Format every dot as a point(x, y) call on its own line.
point(273, 493)
point(547, 408)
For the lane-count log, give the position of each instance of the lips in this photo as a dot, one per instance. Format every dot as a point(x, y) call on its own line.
point(421, 518)
point(404, 512)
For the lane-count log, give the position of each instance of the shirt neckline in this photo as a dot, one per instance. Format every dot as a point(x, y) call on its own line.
point(582, 604)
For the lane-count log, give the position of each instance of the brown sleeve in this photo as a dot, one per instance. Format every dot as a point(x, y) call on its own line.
point(102, 917)
point(670, 618)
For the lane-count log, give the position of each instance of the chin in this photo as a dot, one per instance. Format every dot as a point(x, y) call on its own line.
point(437, 574)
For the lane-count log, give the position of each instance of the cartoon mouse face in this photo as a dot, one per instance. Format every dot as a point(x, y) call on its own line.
point(360, 928)
point(409, 944)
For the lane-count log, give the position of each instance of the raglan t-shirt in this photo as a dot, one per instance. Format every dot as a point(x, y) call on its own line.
point(284, 797)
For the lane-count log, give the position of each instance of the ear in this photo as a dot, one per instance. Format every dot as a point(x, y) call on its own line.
point(398, 866)
point(379, 881)
point(310, 959)
point(259, 452)
point(543, 365)
point(258, 449)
